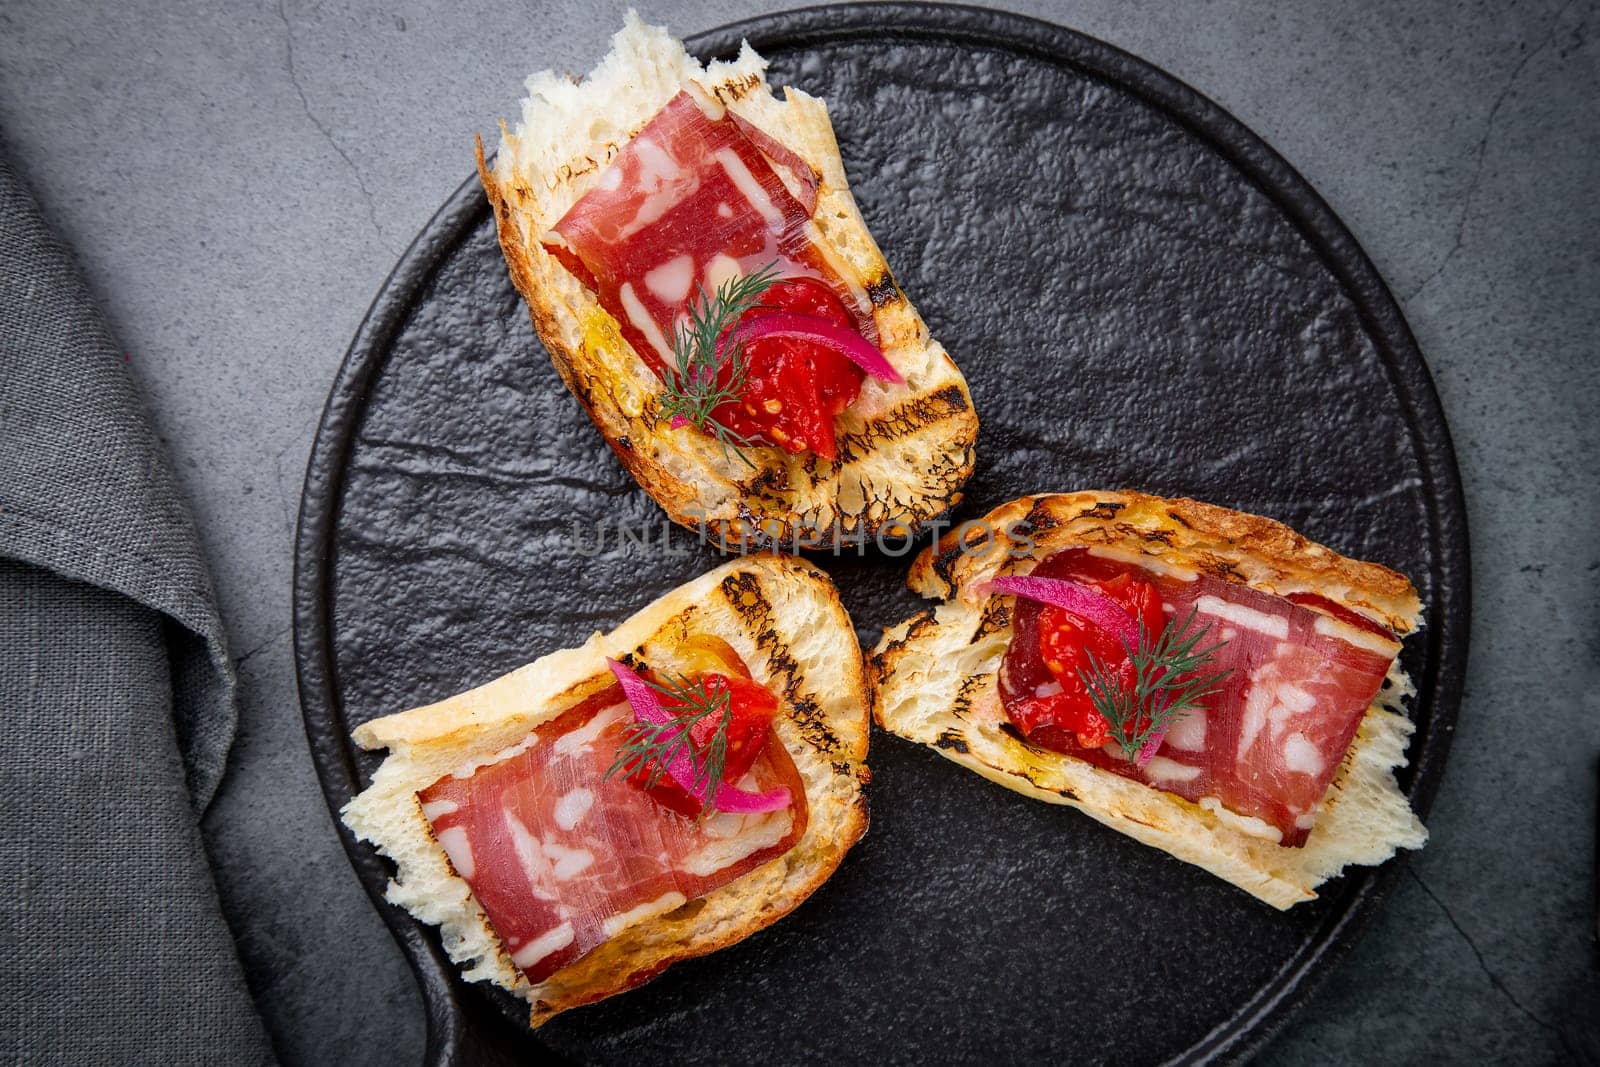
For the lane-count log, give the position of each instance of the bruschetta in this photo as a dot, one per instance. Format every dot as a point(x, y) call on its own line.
point(1203, 680)
point(700, 274)
point(662, 791)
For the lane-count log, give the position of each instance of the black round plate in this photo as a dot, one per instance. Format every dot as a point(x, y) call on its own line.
point(1141, 294)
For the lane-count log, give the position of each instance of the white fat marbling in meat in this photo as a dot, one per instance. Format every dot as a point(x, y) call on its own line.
point(1249, 618)
point(572, 807)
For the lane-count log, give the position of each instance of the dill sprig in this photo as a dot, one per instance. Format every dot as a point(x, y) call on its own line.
point(1168, 684)
point(653, 746)
point(695, 382)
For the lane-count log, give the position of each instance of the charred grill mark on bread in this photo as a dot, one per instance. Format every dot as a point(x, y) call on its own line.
point(946, 557)
point(743, 593)
point(913, 416)
point(1218, 567)
point(883, 292)
point(1040, 519)
point(769, 483)
point(1016, 735)
point(969, 688)
point(1103, 510)
point(737, 88)
point(1160, 536)
point(996, 619)
point(914, 627)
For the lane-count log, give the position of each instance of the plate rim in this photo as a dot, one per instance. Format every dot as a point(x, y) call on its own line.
point(461, 1026)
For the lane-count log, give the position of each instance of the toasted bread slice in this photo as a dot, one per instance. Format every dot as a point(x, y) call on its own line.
point(935, 677)
point(785, 620)
point(904, 450)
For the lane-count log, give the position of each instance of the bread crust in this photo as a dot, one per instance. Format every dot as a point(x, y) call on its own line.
point(904, 451)
point(934, 678)
point(784, 617)
point(1232, 545)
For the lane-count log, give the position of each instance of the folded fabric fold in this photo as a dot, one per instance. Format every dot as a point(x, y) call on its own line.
point(85, 490)
point(116, 700)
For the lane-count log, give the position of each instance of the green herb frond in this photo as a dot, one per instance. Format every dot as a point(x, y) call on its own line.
point(652, 747)
point(1169, 682)
point(695, 383)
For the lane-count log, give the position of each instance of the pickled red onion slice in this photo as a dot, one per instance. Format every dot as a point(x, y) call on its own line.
point(647, 708)
point(1088, 604)
point(819, 331)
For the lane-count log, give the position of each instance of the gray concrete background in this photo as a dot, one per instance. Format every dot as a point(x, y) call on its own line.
point(238, 178)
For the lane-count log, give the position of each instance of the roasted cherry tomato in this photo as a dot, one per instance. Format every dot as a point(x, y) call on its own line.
point(752, 707)
point(1062, 643)
point(794, 389)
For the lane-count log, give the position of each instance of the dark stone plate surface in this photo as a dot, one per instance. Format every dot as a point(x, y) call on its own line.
point(1142, 294)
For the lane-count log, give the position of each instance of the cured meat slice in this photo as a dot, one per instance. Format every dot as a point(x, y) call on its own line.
point(561, 858)
point(1265, 748)
point(692, 200)
point(795, 172)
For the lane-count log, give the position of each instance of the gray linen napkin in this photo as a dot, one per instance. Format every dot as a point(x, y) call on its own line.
point(116, 701)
